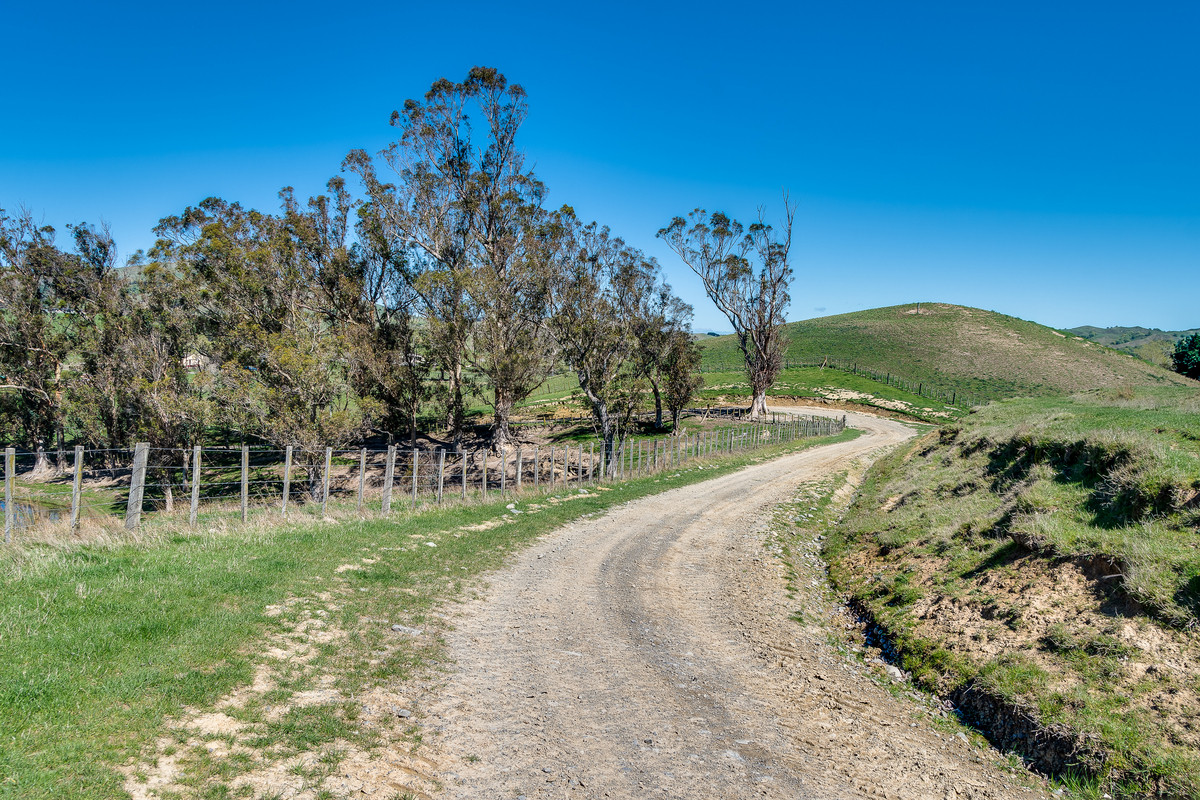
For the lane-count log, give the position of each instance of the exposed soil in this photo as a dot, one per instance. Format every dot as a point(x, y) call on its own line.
point(653, 652)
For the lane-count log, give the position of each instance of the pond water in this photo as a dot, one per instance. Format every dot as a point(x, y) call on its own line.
point(26, 514)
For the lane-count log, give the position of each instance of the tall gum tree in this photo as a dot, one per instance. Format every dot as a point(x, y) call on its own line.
point(466, 203)
point(746, 274)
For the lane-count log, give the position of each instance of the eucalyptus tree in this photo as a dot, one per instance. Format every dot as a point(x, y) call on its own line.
point(680, 373)
point(389, 358)
point(663, 320)
point(746, 273)
point(596, 294)
point(137, 381)
point(45, 294)
point(466, 203)
point(268, 300)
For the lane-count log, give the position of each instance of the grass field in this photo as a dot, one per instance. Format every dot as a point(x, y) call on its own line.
point(827, 384)
point(976, 352)
point(102, 645)
point(1042, 554)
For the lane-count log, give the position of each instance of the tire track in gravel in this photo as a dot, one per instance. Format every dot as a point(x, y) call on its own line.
point(650, 653)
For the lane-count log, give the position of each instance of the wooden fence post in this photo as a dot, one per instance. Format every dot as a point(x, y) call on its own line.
point(194, 510)
point(362, 476)
point(537, 468)
point(77, 486)
point(503, 473)
point(10, 474)
point(441, 472)
point(483, 480)
point(137, 487)
point(325, 480)
point(245, 480)
point(463, 466)
point(520, 467)
point(552, 468)
point(591, 462)
point(389, 476)
point(287, 479)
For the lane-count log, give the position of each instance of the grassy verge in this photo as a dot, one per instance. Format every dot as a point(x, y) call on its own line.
point(103, 645)
point(1037, 563)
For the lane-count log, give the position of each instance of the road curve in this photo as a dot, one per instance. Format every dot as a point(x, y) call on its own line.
point(651, 652)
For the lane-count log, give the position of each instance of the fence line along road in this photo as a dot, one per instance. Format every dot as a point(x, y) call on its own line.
point(158, 480)
point(951, 397)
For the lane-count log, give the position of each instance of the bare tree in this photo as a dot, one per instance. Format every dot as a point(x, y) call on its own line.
point(746, 274)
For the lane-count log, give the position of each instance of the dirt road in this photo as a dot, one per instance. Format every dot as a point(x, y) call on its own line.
point(651, 653)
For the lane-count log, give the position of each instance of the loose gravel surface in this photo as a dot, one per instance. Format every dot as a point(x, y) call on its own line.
point(652, 652)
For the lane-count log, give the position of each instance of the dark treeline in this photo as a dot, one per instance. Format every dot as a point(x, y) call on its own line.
point(435, 273)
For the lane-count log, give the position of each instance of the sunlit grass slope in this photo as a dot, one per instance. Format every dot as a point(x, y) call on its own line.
point(976, 352)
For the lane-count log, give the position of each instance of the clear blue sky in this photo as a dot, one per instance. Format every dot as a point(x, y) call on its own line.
point(1036, 158)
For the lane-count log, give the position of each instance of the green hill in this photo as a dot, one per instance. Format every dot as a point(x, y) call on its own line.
point(1150, 344)
point(969, 350)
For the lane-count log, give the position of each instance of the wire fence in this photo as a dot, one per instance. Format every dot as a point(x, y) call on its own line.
point(950, 397)
point(103, 484)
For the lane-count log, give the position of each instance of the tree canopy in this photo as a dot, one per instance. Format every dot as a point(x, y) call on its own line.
point(1186, 358)
point(354, 313)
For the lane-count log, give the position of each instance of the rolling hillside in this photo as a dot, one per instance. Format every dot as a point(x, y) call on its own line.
point(1150, 344)
point(977, 352)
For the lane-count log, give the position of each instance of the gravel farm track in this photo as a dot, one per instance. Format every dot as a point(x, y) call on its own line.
point(654, 652)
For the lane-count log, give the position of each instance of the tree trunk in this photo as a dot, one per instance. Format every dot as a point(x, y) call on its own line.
point(675, 421)
point(313, 471)
point(500, 432)
point(456, 413)
point(41, 459)
point(658, 405)
point(758, 406)
point(60, 465)
point(760, 382)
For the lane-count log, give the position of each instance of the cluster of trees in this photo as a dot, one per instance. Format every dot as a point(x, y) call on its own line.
point(1186, 358)
point(345, 315)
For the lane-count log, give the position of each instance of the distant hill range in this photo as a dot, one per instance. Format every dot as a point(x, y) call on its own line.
point(1149, 344)
point(976, 352)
